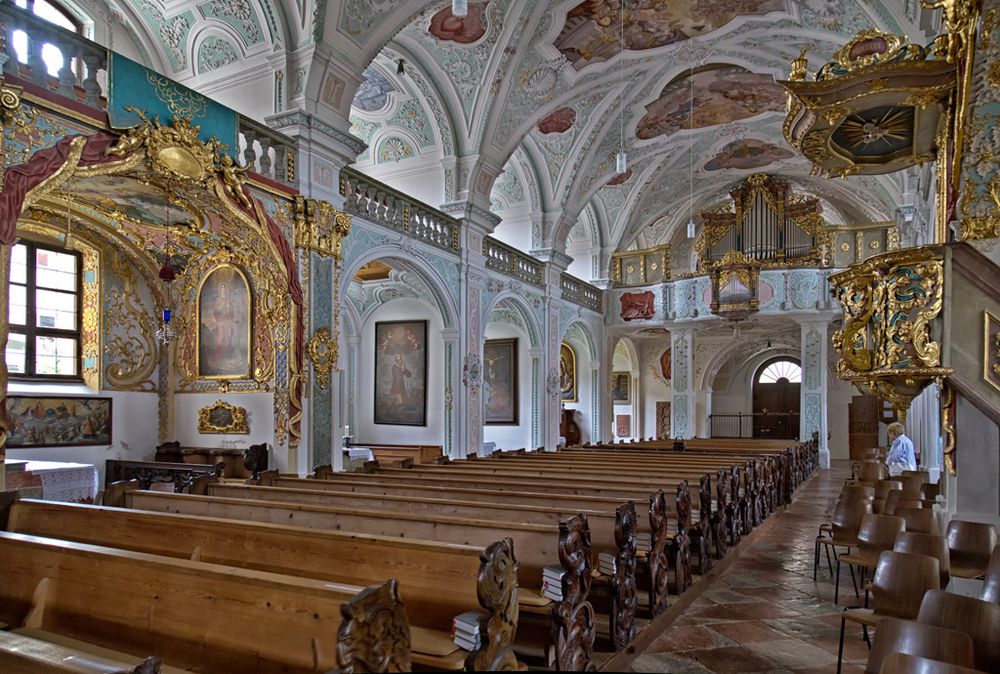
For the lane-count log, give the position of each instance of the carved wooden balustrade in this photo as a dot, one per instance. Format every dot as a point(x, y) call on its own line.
point(890, 344)
point(641, 267)
point(381, 204)
point(580, 292)
point(83, 78)
point(509, 261)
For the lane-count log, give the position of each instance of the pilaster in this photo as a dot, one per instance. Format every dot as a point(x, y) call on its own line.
point(555, 264)
point(682, 407)
point(324, 438)
point(452, 387)
point(813, 389)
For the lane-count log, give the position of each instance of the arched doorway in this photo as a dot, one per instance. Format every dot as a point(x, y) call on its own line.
point(776, 398)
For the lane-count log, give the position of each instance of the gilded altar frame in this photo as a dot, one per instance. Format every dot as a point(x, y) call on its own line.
point(236, 425)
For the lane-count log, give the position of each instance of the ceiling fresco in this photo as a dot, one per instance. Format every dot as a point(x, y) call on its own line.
point(593, 29)
point(748, 153)
point(720, 95)
point(446, 27)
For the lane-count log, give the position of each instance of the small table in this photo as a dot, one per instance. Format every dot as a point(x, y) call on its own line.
point(75, 482)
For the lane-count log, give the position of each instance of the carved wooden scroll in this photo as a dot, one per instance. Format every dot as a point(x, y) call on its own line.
point(268, 478)
point(659, 563)
point(497, 590)
point(255, 459)
point(786, 477)
point(573, 625)
point(150, 665)
point(748, 500)
point(737, 507)
point(700, 534)
point(322, 472)
point(624, 597)
point(114, 495)
point(374, 635)
point(760, 485)
point(719, 521)
point(681, 550)
point(200, 484)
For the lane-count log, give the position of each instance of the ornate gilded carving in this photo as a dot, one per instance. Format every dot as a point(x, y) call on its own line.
point(886, 344)
point(659, 564)
point(496, 587)
point(624, 593)
point(375, 634)
point(948, 411)
point(323, 354)
point(988, 226)
point(320, 227)
point(221, 417)
point(639, 267)
point(991, 349)
point(573, 624)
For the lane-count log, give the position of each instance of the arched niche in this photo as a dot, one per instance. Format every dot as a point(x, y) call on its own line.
point(586, 380)
point(624, 390)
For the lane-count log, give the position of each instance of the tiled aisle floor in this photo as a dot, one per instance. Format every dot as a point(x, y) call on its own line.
point(765, 613)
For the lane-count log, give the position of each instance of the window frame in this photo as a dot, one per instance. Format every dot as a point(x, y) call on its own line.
point(30, 330)
point(772, 361)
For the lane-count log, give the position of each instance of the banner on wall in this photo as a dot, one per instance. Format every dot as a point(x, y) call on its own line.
point(132, 84)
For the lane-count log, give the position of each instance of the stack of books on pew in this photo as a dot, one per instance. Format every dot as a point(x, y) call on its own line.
point(465, 630)
point(552, 582)
point(643, 540)
point(606, 563)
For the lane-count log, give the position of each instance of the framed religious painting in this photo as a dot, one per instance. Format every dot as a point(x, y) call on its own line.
point(621, 385)
point(42, 421)
point(500, 391)
point(567, 374)
point(225, 316)
point(623, 425)
point(401, 373)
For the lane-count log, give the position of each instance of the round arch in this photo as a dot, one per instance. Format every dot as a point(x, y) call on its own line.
point(776, 397)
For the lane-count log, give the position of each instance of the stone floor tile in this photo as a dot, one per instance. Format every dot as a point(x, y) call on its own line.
point(748, 632)
point(732, 660)
point(793, 654)
point(688, 639)
point(667, 663)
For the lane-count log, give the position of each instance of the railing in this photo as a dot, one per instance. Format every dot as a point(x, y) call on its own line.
point(82, 60)
point(272, 154)
point(640, 267)
point(580, 292)
point(511, 262)
point(381, 204)
point(776, 425)
point(28, 44)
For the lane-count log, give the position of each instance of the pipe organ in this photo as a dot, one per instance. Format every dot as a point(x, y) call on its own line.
point(764, 223)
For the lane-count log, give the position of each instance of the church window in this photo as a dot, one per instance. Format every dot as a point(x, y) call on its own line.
point(778, 370)
point(44, 312)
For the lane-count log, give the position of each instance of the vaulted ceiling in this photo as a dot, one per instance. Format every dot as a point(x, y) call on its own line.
point(524, 103)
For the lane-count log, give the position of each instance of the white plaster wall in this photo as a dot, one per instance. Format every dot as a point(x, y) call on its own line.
point(977, 484)
point(654, 390)
point(260, 421)
point(420, 177)
point(247, 88)
point(511, 436)
point(582, 265)
point(367, 431)
point(134, 427)
point(622, 363)
point(515, 227)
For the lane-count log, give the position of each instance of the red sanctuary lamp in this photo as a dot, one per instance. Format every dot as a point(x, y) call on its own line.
point(165, 334)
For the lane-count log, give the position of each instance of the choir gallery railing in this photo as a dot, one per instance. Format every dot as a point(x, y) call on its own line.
point(378, 203)
point(60, 61)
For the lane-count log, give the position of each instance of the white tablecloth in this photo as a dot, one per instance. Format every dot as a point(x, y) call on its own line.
point(65, 481)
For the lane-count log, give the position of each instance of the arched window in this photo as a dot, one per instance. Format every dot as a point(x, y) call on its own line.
point(56, 13)
point(777, 370)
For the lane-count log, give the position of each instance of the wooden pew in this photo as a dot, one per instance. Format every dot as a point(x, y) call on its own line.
point(193, 614)
point(417, 453)
point(436, 581)
point(20, 654)
point(536, 546)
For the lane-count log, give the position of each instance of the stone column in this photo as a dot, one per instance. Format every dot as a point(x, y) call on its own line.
point(539, 413)
point(682, 407)
point(452, 386)
point(556, 264)
point(475, 224)
point(813, 404)
point(325, 436)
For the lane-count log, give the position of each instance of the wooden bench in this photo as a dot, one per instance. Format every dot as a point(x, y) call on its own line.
point(181, 475)
point(196, 615)
point(22, 654)
point(536, 546)
point(437, 581)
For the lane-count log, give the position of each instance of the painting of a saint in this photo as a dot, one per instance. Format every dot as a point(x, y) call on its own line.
point(621, 383)
point(224, 319)
point(401, 373)
point(500, 394)
point(567, 374)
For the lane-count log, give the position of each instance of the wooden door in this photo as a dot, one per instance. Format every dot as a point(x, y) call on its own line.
point(862, 420)
point(776, 409)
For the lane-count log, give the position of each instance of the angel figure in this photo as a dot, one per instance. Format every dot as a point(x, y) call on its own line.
point(232, 180)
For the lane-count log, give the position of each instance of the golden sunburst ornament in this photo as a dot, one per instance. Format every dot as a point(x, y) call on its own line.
point(891, 127)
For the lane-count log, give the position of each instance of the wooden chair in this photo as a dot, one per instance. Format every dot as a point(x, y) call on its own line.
point(897, 589)
point(971, 544)
point(977, 618)
point(926, 544)
point(913, 480)
point(876, 535)
point(924, 474)
point(991, 584)
point(895, 636)
point(857, 491)
point(901, 663)
point(882, 489)
point(844, 528)
point(872, 470)
point(931, 491)
point(919, 520)
point(901, 498)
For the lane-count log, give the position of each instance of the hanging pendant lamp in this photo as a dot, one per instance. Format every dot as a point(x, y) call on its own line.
point(460, 8)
